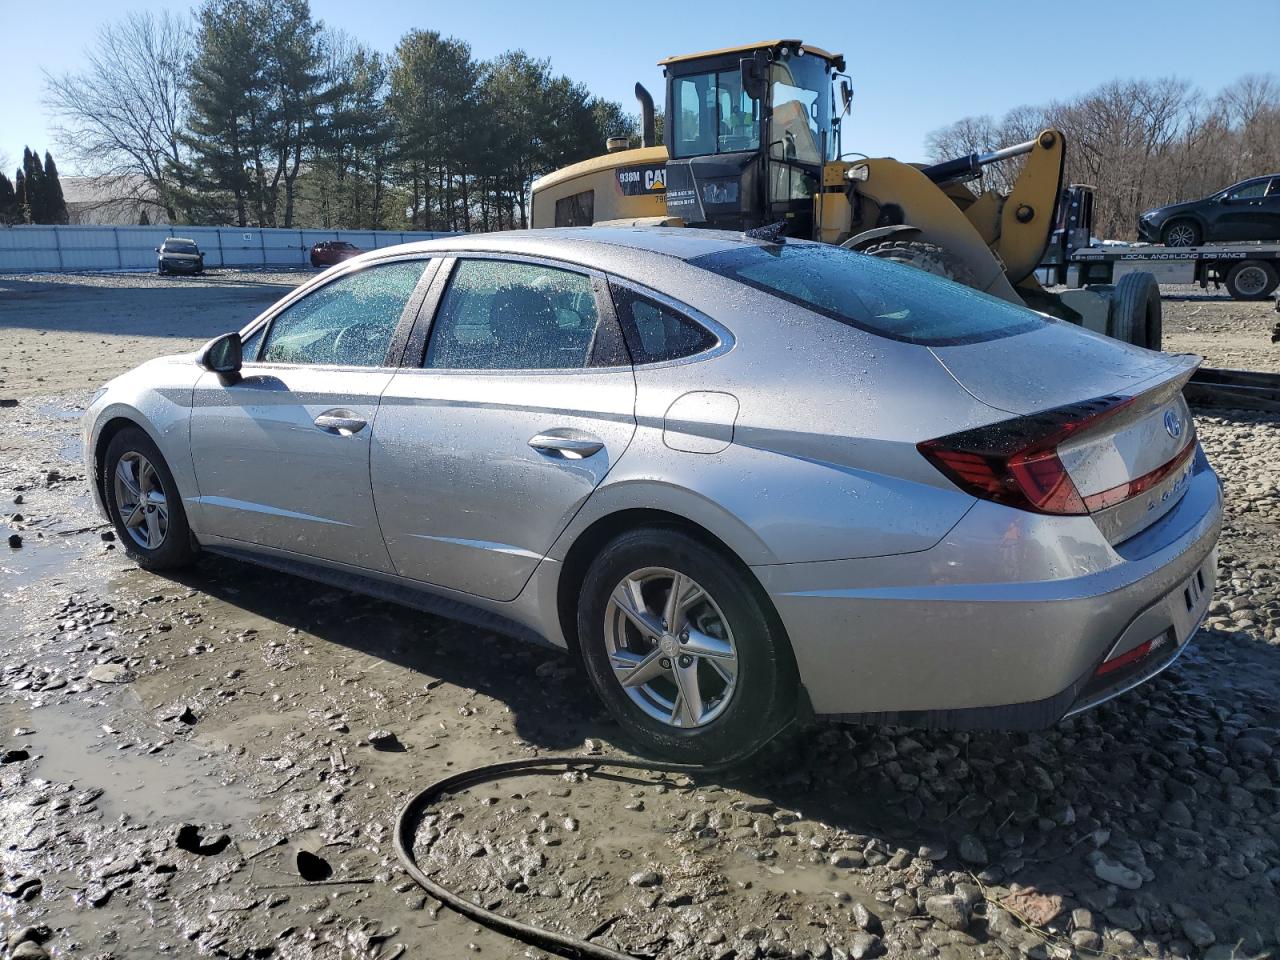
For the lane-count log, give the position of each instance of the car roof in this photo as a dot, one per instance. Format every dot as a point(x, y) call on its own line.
point(178, 240)
point(580, 243)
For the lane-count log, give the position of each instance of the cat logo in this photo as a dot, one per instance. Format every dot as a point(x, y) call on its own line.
point(655, 179)
point(638, 181)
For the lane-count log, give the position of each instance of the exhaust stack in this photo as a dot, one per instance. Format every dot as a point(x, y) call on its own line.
point(648, 130)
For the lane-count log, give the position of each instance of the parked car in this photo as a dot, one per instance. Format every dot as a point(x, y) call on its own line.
point(742, 481)
point(328, 252)
point(1250, 210)
point(179, 255)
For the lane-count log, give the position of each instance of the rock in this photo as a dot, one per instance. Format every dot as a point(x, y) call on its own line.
point(645, 878)
point(1036, 907)
point(384, 740)
point(1109, 871)
point(15, 541)
point(863, 945)
point(1177, 813)
point(847, 859)
point(110, 673)
point(14, 756)
point(933, 852)
point(29, 950)
point(1086, 940)
point(949, 909)
point(972, 850)
point(1198, 932)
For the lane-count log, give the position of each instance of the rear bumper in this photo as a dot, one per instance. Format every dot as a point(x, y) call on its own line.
point(982, 631)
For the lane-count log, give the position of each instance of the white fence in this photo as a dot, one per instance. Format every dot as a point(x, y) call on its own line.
point(41, 249)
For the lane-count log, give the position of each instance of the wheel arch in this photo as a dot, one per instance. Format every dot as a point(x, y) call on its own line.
point(110, 425)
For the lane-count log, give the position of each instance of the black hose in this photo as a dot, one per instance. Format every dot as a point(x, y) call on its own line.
point(407, 828)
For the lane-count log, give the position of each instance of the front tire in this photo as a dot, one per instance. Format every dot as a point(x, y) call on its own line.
point(1181, 233)
point(143, 502)
point(707, 677)
point(1137, 312)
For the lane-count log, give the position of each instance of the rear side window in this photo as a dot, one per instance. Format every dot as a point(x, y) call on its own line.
point(889, 299)
point(502, 315)
point(655, 332)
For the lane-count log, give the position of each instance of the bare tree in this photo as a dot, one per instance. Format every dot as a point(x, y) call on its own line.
point(121, 115)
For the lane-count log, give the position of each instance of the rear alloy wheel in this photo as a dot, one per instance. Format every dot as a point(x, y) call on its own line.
point(1180, 233)
point(143, 503)
point(1252, 280)
point(684, 649)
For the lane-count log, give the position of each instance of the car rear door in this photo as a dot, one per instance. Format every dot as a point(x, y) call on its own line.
point(281, 454)
point(522, 399)
point(1243, 213)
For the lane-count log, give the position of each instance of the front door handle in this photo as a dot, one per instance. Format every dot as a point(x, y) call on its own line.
point(340, 422)
point(570, 448)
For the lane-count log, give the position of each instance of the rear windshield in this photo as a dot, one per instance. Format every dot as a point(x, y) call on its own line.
point(172, 247)
point(889, 299)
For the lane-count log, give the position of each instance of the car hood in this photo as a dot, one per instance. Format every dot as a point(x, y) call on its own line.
point(1055, 364)
point(1160, 213)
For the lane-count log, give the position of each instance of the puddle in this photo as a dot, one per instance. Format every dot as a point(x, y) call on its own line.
point(72, 449)
point(72, 746)
point(38, 559)
point(58, 412)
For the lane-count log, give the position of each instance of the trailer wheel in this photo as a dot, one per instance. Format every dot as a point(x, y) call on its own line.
point(1137, 315)
point(1252, 280)
point(928, 257)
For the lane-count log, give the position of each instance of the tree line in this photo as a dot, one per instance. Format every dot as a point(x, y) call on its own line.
point(1140, 143)
point(256, 114)
point(34, 195)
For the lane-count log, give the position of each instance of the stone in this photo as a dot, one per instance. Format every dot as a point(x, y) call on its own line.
point(1109, 871)
point(863, 945)
point(1176, 813)
point(383, 740)
point(110, 673)
point(29, 950)
point(1086, 940)
point(972, 850)
point(949, 909)
point(15, 540)
point(645, 878)
point(847, 859)
point(1198, 932)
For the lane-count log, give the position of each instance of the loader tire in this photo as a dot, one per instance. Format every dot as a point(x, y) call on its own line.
point(928, 257)
point(1137, 315)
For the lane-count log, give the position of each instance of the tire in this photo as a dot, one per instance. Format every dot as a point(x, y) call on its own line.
point(1181, 233)
point(161, 270)
point(1137, 313)
point(1252, 280)
point(173, 548)
point(928, 257)
point(746, 701)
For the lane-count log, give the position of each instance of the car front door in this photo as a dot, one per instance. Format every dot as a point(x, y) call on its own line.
point(1243, 213)
point(523, 400)
point(282, 453)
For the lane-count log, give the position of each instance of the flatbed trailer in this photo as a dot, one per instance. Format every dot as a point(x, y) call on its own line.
point(1249, 271)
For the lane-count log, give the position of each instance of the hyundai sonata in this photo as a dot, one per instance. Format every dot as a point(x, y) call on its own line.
point(744, 482)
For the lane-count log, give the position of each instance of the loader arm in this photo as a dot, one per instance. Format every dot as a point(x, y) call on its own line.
point(1027, 217)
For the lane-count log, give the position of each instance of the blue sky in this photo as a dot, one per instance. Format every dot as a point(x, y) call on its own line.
point(915, 65)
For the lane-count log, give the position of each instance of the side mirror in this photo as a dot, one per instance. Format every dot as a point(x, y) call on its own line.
point(223, 355)
point(755, 76)
point(846, 94)
point(157, 249)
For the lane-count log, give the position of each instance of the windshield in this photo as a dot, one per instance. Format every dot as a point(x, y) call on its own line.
point(801, 107)
point(713, 114)
point(171, 247)
point(889, 299)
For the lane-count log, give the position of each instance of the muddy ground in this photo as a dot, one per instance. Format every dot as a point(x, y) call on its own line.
point(186, 765)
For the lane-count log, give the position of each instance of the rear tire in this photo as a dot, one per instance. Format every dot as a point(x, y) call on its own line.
point(1252, 280)
point(726, 640)
point(1137, 313)
point(1181, 233)
point(928, 257)
point(143, 502)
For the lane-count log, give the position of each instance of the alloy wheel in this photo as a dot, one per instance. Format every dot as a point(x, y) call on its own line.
point(670, 647)
point(1181, 235)
point(141, 501)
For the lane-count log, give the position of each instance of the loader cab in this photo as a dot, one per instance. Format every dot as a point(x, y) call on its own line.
point(748, 131)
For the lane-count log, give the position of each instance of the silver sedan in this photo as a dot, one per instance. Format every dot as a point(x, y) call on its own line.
point(745, 483)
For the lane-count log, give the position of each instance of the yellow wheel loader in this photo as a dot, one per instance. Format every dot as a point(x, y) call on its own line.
point(752, 143)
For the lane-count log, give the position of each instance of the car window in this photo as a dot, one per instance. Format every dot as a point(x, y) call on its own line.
point(889, 299)
point(1250, 191)
point(348, 321)
point(171, 247)
point(1274, 191)
point(251, 344)
point(656, 332)
point(501, 315)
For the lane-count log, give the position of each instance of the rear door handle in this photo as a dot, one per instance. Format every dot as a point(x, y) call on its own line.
point(568, 447)
point(340, 422)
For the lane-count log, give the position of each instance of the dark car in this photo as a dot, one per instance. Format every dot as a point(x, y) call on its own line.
point(328, 252)
point(179, 255)
point(1250, 210)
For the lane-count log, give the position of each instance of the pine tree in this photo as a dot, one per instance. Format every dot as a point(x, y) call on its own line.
point(55, 204)
point(8, 201)
point(37, 209)
point(21, 209)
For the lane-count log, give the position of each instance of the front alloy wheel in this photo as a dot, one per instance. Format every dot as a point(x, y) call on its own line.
point(1180, 234)
point(670, 647)
point(141, 500)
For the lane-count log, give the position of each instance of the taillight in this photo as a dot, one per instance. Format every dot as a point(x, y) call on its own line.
point(1015, 462)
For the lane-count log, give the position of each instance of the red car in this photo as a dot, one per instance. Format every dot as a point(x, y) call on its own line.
point(328, 252)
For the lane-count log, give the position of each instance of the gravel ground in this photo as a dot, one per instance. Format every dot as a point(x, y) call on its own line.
point(201, 766)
